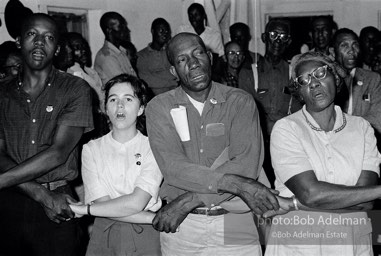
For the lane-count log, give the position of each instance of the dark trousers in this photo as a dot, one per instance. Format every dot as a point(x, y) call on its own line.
point(26, 230)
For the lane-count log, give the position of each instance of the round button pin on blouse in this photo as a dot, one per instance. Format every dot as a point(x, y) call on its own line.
point(213, 101)
point(360, 83)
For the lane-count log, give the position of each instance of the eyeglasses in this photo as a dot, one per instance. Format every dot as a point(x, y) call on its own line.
point(235, 53)
point(318, 73)
point(273, 35)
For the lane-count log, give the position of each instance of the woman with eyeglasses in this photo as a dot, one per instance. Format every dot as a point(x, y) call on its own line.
point(327, 162)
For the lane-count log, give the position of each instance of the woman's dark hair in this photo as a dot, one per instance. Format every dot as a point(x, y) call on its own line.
point(140, 91)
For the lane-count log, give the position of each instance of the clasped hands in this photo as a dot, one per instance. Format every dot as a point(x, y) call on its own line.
point(258, 198)
point(263, 201)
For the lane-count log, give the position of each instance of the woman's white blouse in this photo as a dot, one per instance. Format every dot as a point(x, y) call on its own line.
point(110, 168)
point(335, 157)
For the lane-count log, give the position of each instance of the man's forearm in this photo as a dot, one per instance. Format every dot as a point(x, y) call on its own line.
point(230, 183)
point(30, 169)
point(189, 201)
point(34, 190)
point(31, 189)
point(6, 163)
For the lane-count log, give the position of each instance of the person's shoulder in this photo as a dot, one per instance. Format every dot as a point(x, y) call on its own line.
point(184, 28)
point(350, 119)
point(70, 82)
point(232, 93)
point(7, 83)
point(211, 30)
point(103, 52)
point(369, 78)
point(164, 102)
point(295, 120)
point(143, 52)
point(143, 139)
point(366, 73)
point(163, 99)
point(96, 143)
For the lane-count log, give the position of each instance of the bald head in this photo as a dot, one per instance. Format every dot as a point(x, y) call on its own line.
point(179, 39)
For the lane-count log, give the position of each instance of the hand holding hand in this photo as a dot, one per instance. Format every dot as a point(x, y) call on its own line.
point(285, 205)
point(258, 197)
point(169, 217)
point(56, 206)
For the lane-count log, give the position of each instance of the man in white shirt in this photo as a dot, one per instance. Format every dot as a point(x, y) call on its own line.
point(111, 60)
point(198, 19)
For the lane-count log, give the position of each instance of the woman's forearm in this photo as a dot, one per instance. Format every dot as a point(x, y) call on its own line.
point(144, 217)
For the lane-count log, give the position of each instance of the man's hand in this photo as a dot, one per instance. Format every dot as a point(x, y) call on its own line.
point(258, 197)
point(56, 206)
point(285, 204)
point(169, 217)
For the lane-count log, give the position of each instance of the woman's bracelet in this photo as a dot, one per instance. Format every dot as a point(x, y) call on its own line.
point(295, 202)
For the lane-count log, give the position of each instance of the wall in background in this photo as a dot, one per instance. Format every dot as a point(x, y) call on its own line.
point(139, 14)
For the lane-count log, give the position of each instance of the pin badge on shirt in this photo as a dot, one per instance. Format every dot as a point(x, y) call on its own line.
point(138, 159)
point(49, 108)
point(359, 83)
point(213, 101)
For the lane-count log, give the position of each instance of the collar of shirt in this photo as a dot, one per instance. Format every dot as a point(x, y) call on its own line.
point(121, 146)
point(113, 47)
point(153, 50)
point(216, 96)
point(49, 80)
point(339, 122)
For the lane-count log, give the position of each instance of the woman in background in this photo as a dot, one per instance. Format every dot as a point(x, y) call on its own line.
point(121, 177)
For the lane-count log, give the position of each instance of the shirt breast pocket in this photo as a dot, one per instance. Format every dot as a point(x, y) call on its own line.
point(215, 129)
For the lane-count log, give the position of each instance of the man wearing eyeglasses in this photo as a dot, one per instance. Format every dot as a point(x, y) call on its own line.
point(269, 80)
point(234, 58)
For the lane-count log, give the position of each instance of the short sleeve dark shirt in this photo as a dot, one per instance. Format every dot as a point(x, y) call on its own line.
point(28, 127)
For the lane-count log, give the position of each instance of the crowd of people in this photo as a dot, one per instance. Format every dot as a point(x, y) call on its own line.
point(188, 146)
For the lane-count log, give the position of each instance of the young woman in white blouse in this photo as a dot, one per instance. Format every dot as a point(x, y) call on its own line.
point(121, 177)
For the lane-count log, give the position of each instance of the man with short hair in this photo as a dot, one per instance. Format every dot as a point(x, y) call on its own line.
point(214, 155)
point(43, 114)
point(361, 95)
point(269, 83)
point(240, 33)
point(198, 20)
point(153, 65)
point(369, 37)
point(111, 60)
point(322, 30)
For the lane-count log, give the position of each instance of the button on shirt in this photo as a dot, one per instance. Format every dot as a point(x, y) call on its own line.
point(232, 122)
point(111, 61)
point(28, 126)
point(335, 157)
point(109, 168)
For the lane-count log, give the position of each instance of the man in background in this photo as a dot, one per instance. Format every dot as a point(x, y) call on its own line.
point(152, 63)
point(111, 60)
